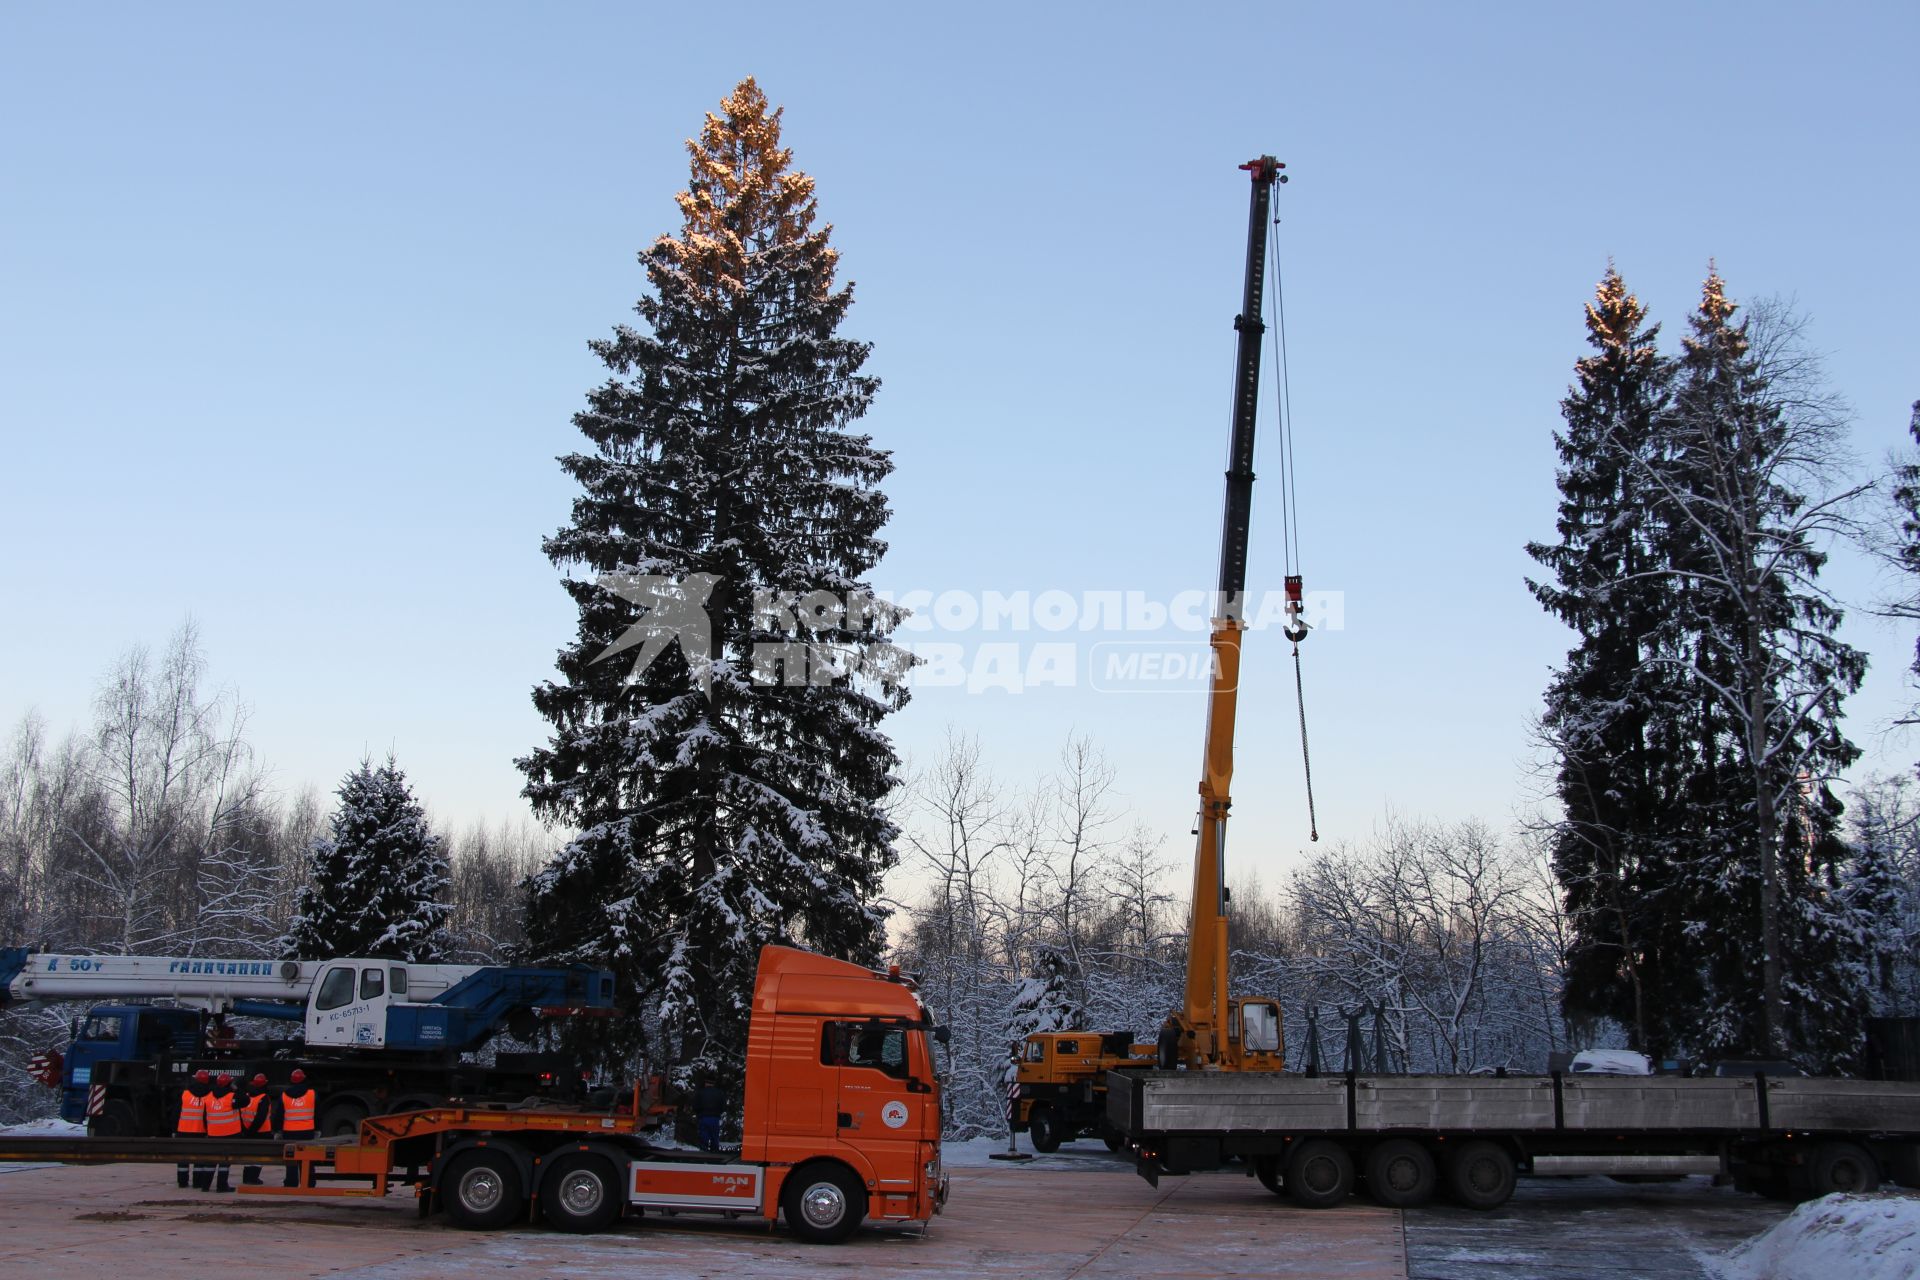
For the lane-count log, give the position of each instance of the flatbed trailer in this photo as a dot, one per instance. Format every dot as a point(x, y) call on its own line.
point(1314, 1138)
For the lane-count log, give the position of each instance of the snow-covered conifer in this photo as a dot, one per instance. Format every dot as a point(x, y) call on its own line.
point(716, 743)
point(377, 881)
point(1608, 717)
point(1043, 1000)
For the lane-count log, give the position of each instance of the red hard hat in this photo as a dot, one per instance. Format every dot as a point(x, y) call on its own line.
point(298, 1076)
point(223, 1078)
point(259, 1078)
point(201, 1077)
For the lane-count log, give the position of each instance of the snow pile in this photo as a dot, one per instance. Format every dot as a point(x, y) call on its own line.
point(1839, 1237)
point(52, 1127)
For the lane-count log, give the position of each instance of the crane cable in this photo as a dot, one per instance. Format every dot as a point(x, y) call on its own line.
point(1296, 630)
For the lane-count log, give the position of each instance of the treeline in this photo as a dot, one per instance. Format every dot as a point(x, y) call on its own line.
point(1045, 909)
point(155, 829)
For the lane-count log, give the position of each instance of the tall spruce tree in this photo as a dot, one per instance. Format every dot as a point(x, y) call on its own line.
point(716, 742)
point(377, 883)
point(1749, 485)
point(1606, 717)
point(1899, 542)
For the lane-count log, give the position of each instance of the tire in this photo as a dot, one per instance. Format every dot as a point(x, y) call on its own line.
point(342, 1119)
point(581, 1193)
point(117, 1119)
point(1319, 1174)
point(1267, 1169)
point(1044, 1130)
point(1480, 1175)
point(1114, 1141)
point(1842, 1167)
point(481, 1190)
point(1400, 1173)
point(824, 1203)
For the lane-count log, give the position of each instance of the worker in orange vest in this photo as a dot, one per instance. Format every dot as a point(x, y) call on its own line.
point(223, 1121)
point(296, 1122)
point(256, 1121)
point(192, 1124)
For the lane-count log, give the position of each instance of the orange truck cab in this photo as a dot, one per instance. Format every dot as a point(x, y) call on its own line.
point(842, 1103)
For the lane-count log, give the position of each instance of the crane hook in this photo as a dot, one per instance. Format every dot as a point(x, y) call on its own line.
point(1296, 628)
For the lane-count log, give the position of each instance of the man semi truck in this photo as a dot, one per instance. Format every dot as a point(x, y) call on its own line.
point(842, 1125)
point(375, 1035)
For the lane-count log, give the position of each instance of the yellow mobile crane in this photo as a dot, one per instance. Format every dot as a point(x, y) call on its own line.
point(1061, 1074)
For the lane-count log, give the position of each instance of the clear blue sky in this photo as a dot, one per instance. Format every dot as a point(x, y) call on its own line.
point(294, 305)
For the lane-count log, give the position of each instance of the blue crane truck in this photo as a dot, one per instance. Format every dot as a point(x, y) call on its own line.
point(374, 1035)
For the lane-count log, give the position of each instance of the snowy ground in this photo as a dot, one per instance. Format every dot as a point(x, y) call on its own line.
point(49, 1128)
point(1084, 1157)
point(1874, 1237)
point(1589, 1229)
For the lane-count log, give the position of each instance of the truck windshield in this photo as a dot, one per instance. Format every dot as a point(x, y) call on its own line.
point(102, 1026)
point(336, 988)
point(1261, 1028)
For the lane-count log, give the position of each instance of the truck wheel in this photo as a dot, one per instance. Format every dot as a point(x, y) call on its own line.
point(580, 1193)
point(1400, 1173)
point(1480, 1175)
point(481, 1190)
point(1043, 1129)
point(1267, 1169)
point(824, 1203)
point(116, 1120)
point(1319, 1174)
point(1114, 1139)
point(342, 1119)
point(1842, 1167)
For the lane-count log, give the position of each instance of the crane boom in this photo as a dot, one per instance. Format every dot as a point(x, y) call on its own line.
point(1209, 1013)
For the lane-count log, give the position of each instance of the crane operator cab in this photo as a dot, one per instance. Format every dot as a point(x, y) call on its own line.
point(350, 1000)
point(1255, 1041)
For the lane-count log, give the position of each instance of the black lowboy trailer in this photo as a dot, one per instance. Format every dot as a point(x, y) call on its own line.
point(1314, 1138)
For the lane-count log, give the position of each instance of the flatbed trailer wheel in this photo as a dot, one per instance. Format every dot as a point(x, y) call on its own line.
point(824, 1202)
point(1480, 1174)
point(1044, 1129)
point(580, 1193)
point(1844, 1167)
point(481, 1190)
point(342, 1119)
point(117, 1119)
point(1319, 1173)
point(1400, 1173)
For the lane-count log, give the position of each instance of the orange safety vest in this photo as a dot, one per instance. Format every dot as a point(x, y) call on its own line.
point(223, 1118)
point(296, 1114)
point(251, 1111)
point(193, 1113)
